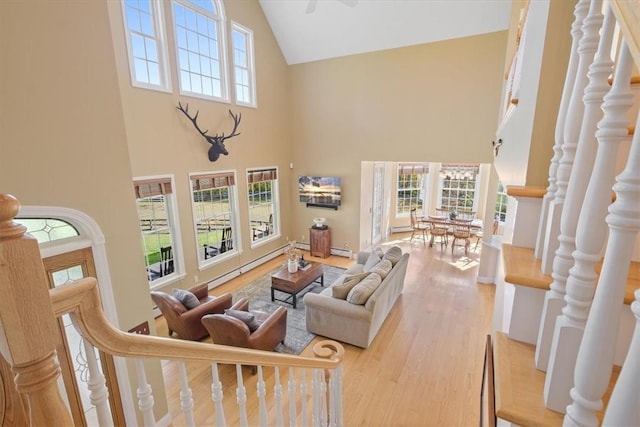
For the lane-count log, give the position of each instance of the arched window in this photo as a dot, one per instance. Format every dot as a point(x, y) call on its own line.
point(48, 229)
point(201, 54)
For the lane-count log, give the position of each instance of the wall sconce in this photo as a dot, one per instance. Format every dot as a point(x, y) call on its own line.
point(496, 146)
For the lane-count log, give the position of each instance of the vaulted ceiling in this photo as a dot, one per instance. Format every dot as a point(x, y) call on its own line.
point(311, 30)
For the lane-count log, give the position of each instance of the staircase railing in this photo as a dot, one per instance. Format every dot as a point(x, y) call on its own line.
point(28, 311)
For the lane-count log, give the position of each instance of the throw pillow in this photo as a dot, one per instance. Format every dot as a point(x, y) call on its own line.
point(371, 262)
point(363, 290)
point(355, 269)
point(188, 299)
point(341, 290)
point(378, 251)
point(382, 268)
point(248, 318)
point(393, 254)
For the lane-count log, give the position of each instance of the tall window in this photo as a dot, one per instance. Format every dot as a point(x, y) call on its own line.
point(157, 220)
point(243, 65)
point(411, 187)
point(263, 203)
point(145, 44)
point(458, 183)
point(214, 203)
point(200, 44)
point(501, 203)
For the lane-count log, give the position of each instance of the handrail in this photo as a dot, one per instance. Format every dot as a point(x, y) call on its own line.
point(627, 15)
point(81, 299)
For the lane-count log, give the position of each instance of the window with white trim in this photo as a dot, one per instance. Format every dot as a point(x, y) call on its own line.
point(146, 44)
point(199, 26)
point(411, 188)
point(157, 220)
point(214, 203)
point(458, 187)
point(263, 203)
point(501, 203)
point(244, 76)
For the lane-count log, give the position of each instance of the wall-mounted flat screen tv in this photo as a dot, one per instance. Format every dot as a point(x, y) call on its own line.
point(320, 191)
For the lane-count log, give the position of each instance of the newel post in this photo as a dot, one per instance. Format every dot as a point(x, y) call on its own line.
point(28, 330)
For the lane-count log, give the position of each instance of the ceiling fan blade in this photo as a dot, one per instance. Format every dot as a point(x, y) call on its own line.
point(311, 6)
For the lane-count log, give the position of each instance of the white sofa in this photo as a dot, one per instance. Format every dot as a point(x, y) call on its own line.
point(356, 324)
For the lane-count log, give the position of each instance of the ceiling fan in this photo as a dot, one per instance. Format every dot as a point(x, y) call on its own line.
point(311, 6)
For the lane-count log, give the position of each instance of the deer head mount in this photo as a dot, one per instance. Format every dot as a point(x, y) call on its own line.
point(216, 141)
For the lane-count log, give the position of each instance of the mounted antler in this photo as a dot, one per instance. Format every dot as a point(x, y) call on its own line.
point(216, 141)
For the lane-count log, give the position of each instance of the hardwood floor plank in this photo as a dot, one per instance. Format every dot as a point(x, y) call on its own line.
point(423, 369)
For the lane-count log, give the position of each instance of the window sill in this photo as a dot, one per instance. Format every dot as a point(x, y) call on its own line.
point(167, 280)
point(202, 265)
point(261, 242)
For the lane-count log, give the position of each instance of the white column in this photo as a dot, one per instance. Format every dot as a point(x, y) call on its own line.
point(277, 388)
point(623, 408)
point(587, 232)
point(217, 395)
point(595, 357)
point(145, 397)
point(567, 213)
point(186, 396)
point(569, 131)
point(99, 394)
point(241, 396)
point(292, 398)
point(262, 393)
point(576, 31)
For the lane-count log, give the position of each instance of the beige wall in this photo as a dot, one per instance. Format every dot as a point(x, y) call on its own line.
point(63, 140)
point(436, 102)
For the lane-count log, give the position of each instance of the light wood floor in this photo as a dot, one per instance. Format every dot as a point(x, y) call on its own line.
point(423, 369)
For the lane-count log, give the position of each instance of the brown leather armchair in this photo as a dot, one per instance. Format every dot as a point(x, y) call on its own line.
point(186, 323)
point(227, 330)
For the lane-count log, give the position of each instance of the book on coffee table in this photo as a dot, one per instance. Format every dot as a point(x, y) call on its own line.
point(306, 266)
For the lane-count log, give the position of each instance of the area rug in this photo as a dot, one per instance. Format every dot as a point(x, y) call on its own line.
point(259, 294)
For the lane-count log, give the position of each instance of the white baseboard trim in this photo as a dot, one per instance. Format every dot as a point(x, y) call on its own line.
point(486, 280)
point(400, 229)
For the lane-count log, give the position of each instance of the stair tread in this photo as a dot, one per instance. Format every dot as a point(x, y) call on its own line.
point(519, 386)
point(523, 269)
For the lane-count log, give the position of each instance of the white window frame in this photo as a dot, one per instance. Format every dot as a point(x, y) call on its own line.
point(174, 225)
point(476, 188)
point(220, 20)
point(234, 218)
point(275, 201)
point(423, 189)
point(497, 214)
point(157, 18)
point(250, 67)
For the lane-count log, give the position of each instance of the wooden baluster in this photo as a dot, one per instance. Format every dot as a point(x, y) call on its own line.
point(186, 396)
point(580, 12)
point(277, 388)
point(595, 357)
point(241, 396)
point(292, 398)
point(262, 393)
point(570, 133)
point(217, 395)
point(303, 398)
point(99, 394)
point(145, 396)
point(591, 228)
point(579, 152)
point(623, 408)
point(28, 330)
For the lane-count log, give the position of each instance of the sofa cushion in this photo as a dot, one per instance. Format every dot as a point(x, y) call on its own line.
point(393, 254)
point(188, 299)
point(355, 269)
point(378, 251)
point(341, 290)
point(382, 268)
point(371, 262)
point(248, 318)
point(363, 290)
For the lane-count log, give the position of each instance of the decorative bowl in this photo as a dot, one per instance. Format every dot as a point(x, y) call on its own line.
point(319, 222)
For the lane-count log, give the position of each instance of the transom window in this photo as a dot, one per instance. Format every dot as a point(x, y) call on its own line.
point(48, 229)
point(458, 183)
point(199, 40)
point(156, 219)
point(145, 44)
point(214, 203)
point(243, 65)
point(411, 188)
point(263, 203)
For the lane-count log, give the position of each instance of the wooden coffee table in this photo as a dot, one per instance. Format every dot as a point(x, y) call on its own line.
point(293, 283)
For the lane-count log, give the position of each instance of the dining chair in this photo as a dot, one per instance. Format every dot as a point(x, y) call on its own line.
point(442, 211)
point(465, 214)
point(438, 228)
point(461, 229)
point(417, 227)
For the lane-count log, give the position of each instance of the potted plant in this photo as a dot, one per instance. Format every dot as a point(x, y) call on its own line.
point(293, 254)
